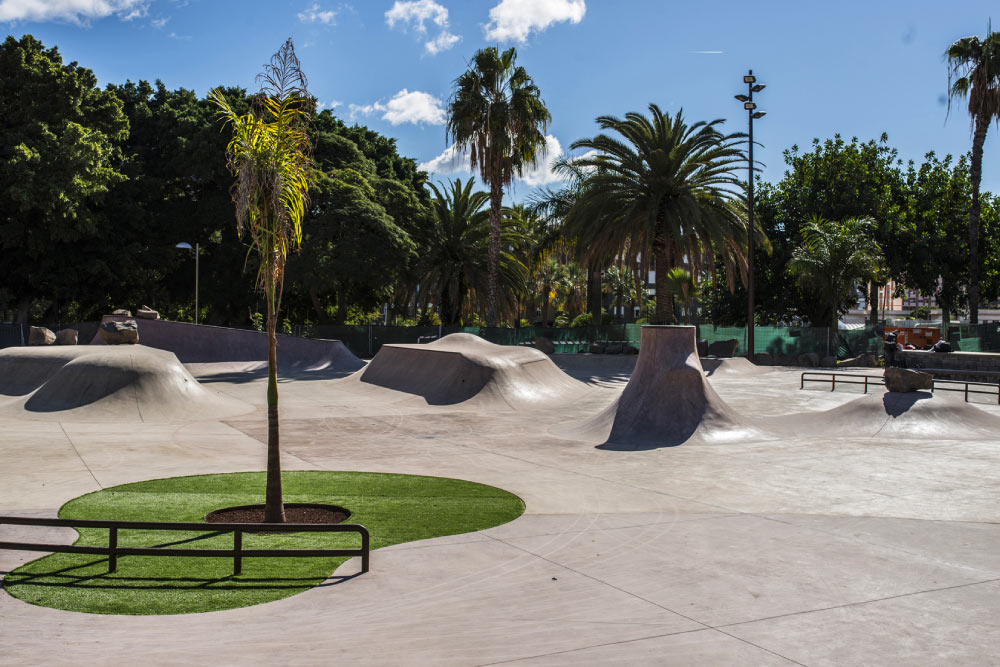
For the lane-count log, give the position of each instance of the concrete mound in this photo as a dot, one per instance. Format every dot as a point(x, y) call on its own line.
point(910, 415)
point(112, 383)
point(732, 366)
point(463, 368)
point(240, 348)
point(668, 399)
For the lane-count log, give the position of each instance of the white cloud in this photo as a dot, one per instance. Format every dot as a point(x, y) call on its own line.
point(405, 107)
point(314, 14)
point(515, 20)
point(72, 11)
point(159, 23)
point(414, 15)
point(332, 104)
point(451, 161)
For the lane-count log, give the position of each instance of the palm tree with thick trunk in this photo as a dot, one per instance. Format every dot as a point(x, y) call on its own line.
point(270, 156)
point(974, 73)
point(661, 185)
point(497, 116)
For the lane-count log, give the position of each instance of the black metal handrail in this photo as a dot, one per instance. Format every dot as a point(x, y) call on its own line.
point(966, 389)
point(879, 381)
point(237, 553)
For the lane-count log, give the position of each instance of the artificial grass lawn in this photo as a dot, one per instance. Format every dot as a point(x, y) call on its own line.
point(394, 508)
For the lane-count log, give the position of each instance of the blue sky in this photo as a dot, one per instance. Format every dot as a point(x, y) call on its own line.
point(854, 68)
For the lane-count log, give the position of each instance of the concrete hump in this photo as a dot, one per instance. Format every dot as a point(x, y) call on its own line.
point(111, 383)
point(463, 368)
point(667, 401)
point(732, 366)
point(204, 344)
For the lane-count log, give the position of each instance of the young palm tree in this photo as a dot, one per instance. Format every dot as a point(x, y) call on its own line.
point(662, 185)
point(974, 72)
point(269, 155)
point(834, 258)
point(497, 115)
point(457, 254)
point(681, 284)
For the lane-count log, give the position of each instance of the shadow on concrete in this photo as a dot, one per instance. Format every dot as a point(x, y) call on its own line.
point(243, 377)
point(896, 403)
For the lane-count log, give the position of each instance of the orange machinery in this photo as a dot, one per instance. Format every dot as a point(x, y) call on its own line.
point(918, 337)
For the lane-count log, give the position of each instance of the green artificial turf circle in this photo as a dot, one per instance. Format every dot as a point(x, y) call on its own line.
point(394, 508)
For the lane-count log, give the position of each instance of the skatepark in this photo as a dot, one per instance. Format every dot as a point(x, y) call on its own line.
point(682, 511)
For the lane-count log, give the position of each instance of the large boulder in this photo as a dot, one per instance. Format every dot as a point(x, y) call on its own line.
point(543, 344)
point(119, 333)
point(597, 348)
point(784, 360)
point(121, 312)
point(723, 348)
point(903, 380)
point(763, 359)
point(67, 337)
point(147, 313)
point(614, 348)
point(41, 336)
point(828, 362)
point(864, 361)
point(702, 344)
point(809, 360)
point(630, 349)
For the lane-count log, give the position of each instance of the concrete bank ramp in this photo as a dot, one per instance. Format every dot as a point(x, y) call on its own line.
point(731, 366)
point(110, 383)
point(203, 344)
point(912, 415)
point(465, 369)
point(667, 401)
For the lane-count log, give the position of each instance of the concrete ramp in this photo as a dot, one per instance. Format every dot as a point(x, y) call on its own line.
point(203, 344)
point(465, 369)
point(112, 383)
point(731, 366)
point(667, 401)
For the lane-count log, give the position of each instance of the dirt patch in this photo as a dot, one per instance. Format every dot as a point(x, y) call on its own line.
point(294, 513)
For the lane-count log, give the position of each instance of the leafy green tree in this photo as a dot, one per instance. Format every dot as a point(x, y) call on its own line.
point(497, 115)
point(58, 159)
point(270, 156)
point(664, 185)
point(974, 73)
point(682, 285)
point(833, 258)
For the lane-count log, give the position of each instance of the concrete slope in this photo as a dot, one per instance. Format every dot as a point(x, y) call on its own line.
point(732, 366)
point(892, 415)
point(465, 369)
point(112, 383)
point(667, 401)
point(200, 344)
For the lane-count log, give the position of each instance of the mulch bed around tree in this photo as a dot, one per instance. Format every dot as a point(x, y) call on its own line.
point(294, 513)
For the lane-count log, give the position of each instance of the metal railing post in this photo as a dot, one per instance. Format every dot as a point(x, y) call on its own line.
point(366, 549)
point(112, 550)
point(237, 552)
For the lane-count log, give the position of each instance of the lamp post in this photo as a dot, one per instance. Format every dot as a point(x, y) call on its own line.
point(187, 246)
point(752, 114)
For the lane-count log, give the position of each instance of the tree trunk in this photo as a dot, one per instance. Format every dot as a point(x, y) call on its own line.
point(274, 509)
point(22, 311)
point(594, 295)
point(493, 285)
point(873, 302)
point(545, 304)
point(341, 306)
point(315, 304)
point(945, 321)
point(664, 298)
point(975, 175)
point(620, 306)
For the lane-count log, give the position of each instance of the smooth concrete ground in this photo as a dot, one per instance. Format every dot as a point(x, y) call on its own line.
point(847, 550)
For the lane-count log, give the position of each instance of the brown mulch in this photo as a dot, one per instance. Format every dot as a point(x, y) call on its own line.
point(325, 514)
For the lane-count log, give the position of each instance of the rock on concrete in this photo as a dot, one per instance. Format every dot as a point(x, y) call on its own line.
point(863, 361)
point(809, 360)
point(763, 359)
point(597, 348)
point(702, 347)
point(67, 337)
point(119, 333)
point(121, 312)
point(41, 336)
point(543, 344)
point(828, 362)
point(147, 313)
point(723, 348)
point(903, 380)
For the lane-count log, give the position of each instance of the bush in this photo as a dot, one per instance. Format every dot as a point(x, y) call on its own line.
point(561, 321)
point(607, 318)
point(582, 320)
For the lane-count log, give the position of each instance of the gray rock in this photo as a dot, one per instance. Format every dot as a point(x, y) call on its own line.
point(119, 333)
point(148, 313)
point(809, 360)
point(614, 348)
point(67, 337)
point(903, 380)
point(763, 359)
point(597, 348)
point(121, 312)
point(785, 360)
point(864, 361)
point(723, 348)
point(828, 362)
point(41, 336)
point(630, 349)
point(702, 347)
point(545, 345)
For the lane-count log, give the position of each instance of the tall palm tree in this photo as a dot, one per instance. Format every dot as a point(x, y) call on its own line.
point(270, 156)
point(663, 185)
point(974, 72)
point(834, 258)
point(456, 257)
point(497, 115)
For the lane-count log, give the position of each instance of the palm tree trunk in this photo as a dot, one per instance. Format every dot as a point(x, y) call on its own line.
point(493, 276)
point(976, 175)
point(664, 297)
point(274, 509)
point(594, 295)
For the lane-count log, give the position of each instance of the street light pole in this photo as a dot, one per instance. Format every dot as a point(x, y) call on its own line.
point(752, 114)
point(197, 254)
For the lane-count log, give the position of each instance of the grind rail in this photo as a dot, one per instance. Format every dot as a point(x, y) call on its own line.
point(237, 553)
point(965, 386)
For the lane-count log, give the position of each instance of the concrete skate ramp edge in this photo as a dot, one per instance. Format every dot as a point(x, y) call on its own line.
point(732, 366)
point(463, 368)
point(113, 383)
point(667, 401)
point(910, 415)
point(201, 344)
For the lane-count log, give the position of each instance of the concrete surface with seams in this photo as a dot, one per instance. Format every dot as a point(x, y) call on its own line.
point(842, 530)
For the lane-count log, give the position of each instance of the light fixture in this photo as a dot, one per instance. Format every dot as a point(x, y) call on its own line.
point(759, 114)
point(742, 98)
point(759, 87)
point(749, 106)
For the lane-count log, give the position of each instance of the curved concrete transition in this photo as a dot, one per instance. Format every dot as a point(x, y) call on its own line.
point(115, 383)
point(667, 401)
point(463, 368)
point(203, 344)
point(732, 366)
